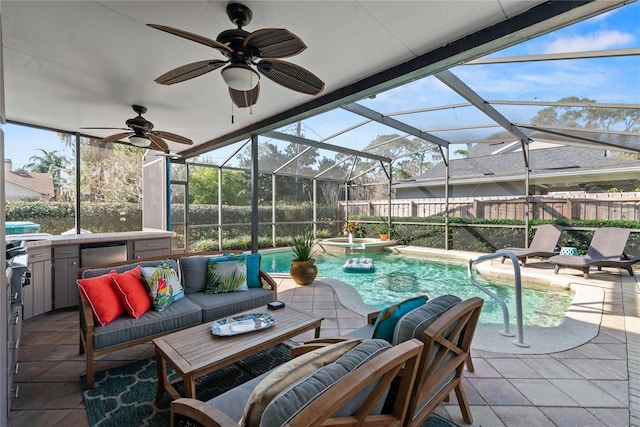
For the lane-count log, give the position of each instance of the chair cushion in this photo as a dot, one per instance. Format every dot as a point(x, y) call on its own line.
point(386, 321)
point(294, 398)
point(132, 291)
point(229, 303)
point(226, 275)
point(287, 374)
point(125, 329)
point(164, 285)
point(100, 293)
point(194, 273)
point(415, 322)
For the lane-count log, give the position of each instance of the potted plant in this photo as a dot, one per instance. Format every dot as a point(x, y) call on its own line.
point(303, 270)
point(383, 230)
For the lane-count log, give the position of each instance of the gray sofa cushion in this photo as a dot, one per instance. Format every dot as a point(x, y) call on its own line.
point(415, 322)
point(225, 304)
point(178, 315)
point(293, 399)
point(194, 273)
point(94, 272)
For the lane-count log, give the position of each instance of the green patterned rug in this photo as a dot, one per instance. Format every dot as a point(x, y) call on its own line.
point(125, 396)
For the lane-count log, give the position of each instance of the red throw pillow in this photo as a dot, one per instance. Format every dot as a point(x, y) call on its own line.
point(101, 295)
point(132, 291)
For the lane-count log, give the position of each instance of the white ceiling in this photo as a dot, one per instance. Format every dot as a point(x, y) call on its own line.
point(74, 64)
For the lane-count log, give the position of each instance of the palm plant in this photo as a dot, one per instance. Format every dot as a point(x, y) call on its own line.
point(303, 245)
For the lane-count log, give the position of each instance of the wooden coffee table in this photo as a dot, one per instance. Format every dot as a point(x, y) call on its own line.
point(195, 352)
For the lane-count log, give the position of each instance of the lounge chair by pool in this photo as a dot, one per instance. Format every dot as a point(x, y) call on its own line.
point(544, 244)
point(605, 250)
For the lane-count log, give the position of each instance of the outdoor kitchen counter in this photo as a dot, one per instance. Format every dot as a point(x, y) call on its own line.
point(36, 240)
point(54, 262)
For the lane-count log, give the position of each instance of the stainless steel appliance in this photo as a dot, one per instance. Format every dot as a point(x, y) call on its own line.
point(93, 254)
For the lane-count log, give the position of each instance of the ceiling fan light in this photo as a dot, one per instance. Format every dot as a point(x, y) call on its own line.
point(240, 77)
point(139, 141)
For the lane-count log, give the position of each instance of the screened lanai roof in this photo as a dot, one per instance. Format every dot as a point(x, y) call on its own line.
point(505, 96)
point(391, 68)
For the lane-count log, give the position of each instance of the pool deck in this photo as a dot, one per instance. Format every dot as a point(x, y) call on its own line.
point(595, 381)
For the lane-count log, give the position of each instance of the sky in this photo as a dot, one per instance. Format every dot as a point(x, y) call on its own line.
point(606, 80)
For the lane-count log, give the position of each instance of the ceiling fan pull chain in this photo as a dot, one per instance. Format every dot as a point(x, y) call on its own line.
point(232, 113)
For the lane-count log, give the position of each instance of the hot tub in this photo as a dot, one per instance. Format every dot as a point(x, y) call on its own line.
point(344, 245)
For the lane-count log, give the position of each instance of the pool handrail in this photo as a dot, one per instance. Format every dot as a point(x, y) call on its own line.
point(519, 341)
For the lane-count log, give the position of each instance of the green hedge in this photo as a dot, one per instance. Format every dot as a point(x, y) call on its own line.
point(463, 235)
point(56, 218)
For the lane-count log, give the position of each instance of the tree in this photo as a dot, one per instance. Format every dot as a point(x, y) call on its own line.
point(52, 163)
point(464, 152)
point(110, 172)
point(592, 117)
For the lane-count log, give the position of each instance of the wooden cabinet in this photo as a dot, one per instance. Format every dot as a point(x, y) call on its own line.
point(14, 328)
point(66, 261)
point(150, 248)
point(37, 295)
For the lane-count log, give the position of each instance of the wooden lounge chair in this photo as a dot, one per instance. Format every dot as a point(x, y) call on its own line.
point(605, 250)
point(321, 401)
point(447, 347)
point(544, 244)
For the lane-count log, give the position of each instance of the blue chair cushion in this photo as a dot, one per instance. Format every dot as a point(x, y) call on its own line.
point(386, 321)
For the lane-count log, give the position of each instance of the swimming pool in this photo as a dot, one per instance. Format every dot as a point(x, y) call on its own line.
point(400, 276)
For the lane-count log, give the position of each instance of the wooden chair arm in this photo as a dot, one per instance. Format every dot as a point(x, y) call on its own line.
point(87, 318)
point(199, 412)
point(268, 282)
point(371, 317)
point(315, 344)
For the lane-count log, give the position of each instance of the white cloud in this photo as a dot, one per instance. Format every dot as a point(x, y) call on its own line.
point(596, 41)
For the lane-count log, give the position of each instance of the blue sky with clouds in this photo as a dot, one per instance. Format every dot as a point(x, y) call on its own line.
point(615, 80)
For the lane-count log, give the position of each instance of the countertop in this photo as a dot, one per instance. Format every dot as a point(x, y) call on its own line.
point(37, 240)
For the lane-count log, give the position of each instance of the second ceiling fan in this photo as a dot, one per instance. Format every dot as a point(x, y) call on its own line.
point(244, 51)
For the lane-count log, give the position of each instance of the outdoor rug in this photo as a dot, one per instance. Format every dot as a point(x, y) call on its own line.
point(125, 396)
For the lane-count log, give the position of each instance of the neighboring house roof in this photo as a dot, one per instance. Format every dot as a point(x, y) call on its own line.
point(494, 162)
point(31, 182)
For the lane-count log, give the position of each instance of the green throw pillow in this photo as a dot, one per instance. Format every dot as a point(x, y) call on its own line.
point(387, 319)
point(226, 275)
point(253, 267)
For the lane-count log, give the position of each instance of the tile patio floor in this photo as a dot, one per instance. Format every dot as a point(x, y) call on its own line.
point(594, 384)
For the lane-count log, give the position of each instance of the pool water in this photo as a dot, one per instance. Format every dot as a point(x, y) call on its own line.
point(399, 276)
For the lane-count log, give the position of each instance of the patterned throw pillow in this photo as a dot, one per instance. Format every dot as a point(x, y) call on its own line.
point(226, 275)
point(164, 285)
point(253, 267)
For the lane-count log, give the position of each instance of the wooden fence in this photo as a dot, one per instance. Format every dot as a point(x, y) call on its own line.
point(569, 205)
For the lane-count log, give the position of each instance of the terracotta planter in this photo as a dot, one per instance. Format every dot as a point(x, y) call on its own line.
point(303, 272)
point(384, 236)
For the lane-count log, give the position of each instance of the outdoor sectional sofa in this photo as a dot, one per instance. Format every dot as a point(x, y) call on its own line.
point(196, 307)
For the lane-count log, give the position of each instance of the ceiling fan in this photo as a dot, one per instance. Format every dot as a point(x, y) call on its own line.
point(140, 133)
point(244, 51)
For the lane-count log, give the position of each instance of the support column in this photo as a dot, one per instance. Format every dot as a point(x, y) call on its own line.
point(254, 193)
point(219, 208)
point(446, 201)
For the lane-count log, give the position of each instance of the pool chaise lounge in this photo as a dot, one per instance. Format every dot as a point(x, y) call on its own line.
point(544, 244)
point(605, 250)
